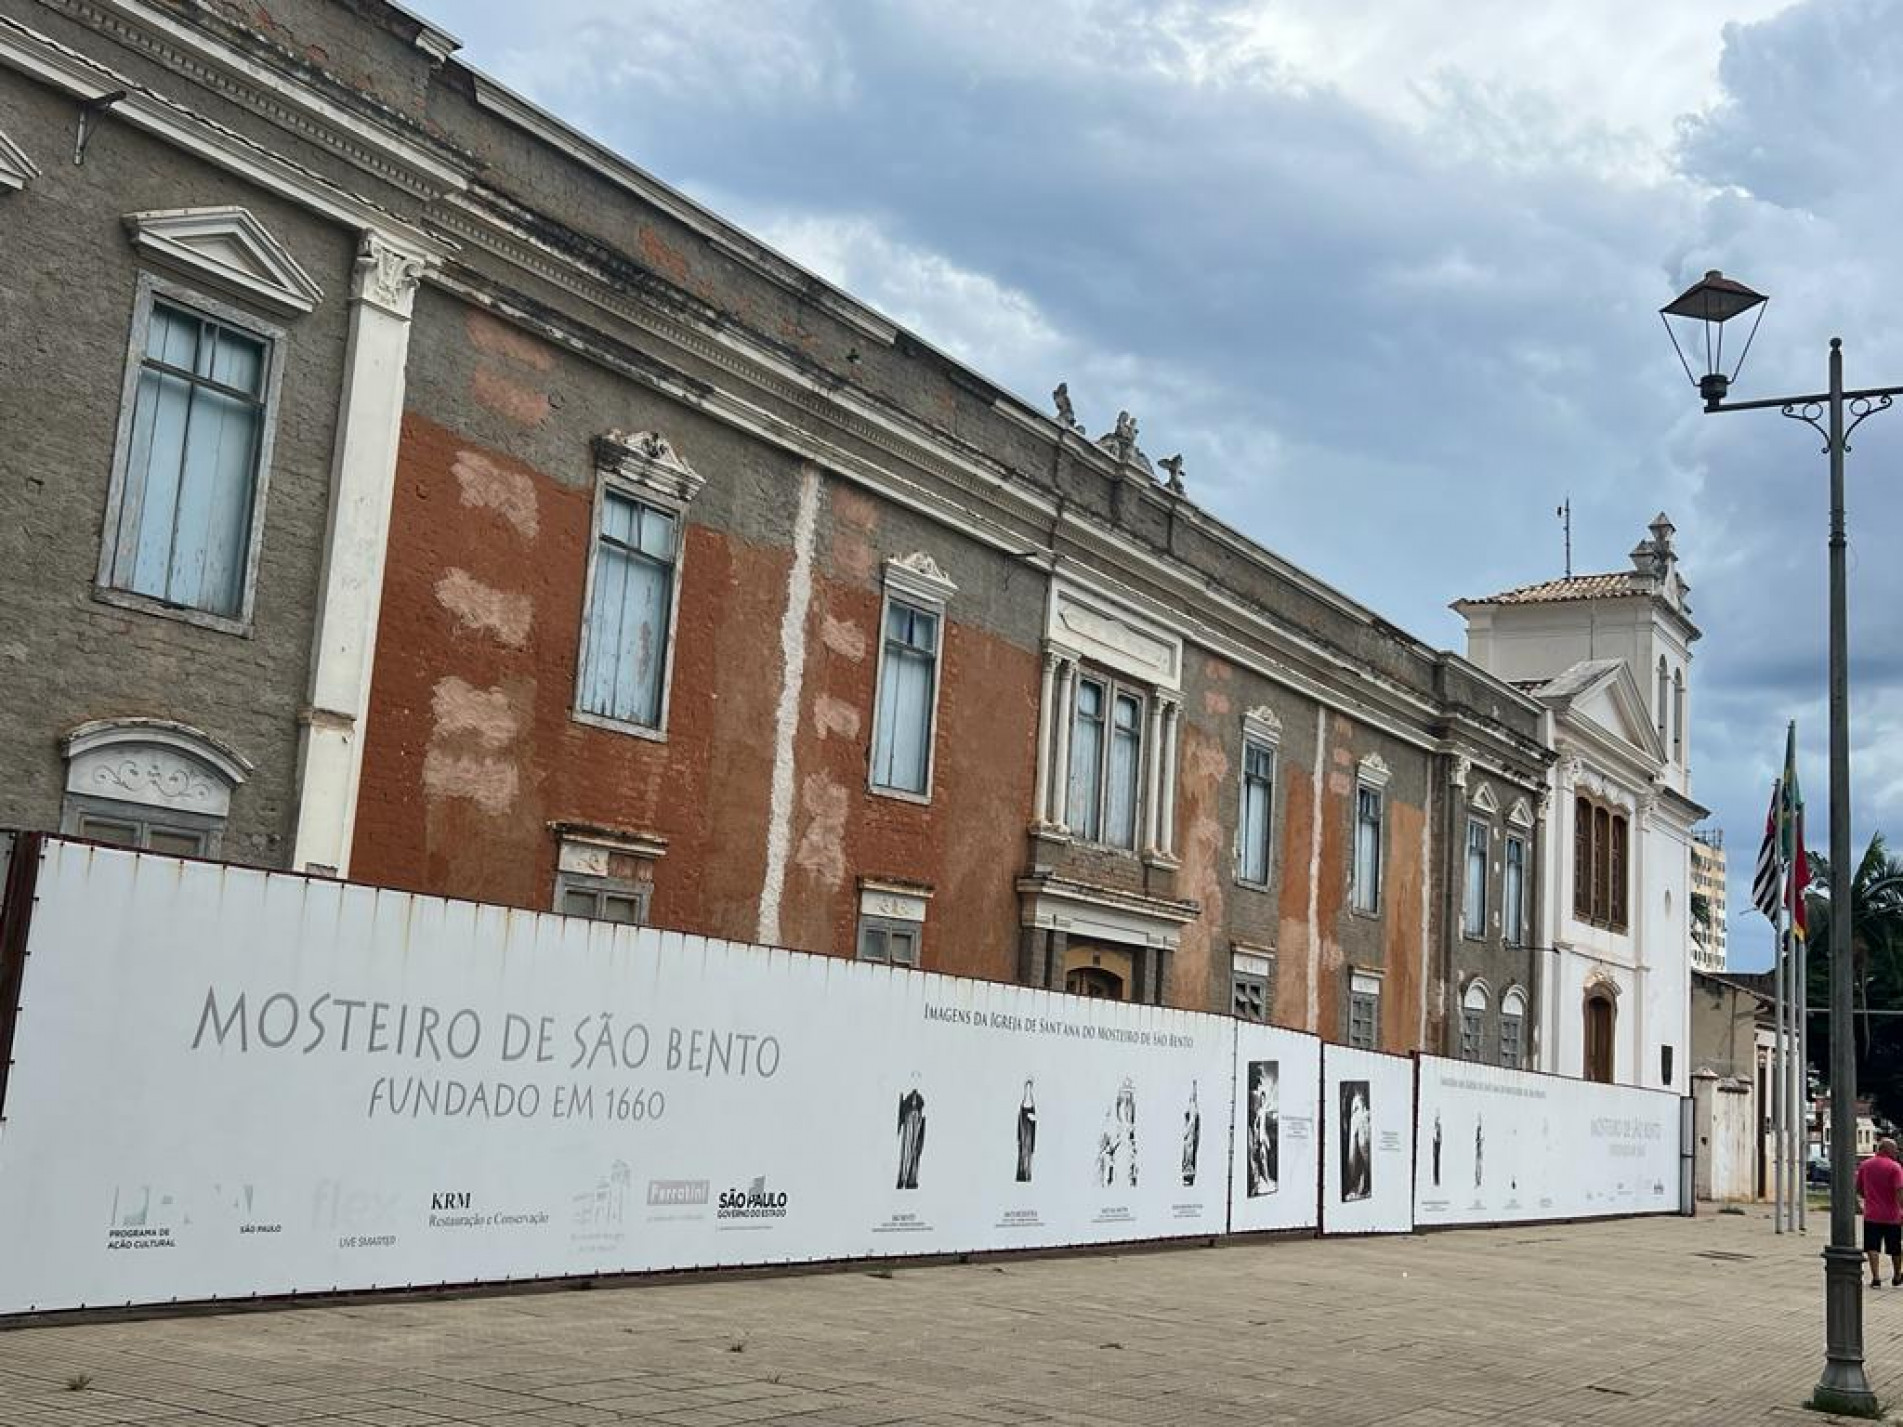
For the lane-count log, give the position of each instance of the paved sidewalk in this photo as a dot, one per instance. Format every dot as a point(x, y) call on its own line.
point(1713, 1321)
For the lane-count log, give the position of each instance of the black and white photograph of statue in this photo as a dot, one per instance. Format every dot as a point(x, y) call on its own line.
point(1480, 1151)
point(1192, 1136)
point(911, 1135)
point(1117, 1147)
point(1437, 1149)
point(1265, 1127)
point(1357, 1141)
point(1027, 1134)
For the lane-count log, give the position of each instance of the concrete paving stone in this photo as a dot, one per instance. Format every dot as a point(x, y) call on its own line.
point(1597, 1325)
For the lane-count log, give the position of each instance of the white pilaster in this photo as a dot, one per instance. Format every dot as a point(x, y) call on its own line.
point(1060, 766)
point(1041, 799)
point(1153, 780)
point(1172, 723)
point(363, 477)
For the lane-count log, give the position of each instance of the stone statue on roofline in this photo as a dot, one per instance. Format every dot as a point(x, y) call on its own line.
point(1065, 414)
point(1174, 465)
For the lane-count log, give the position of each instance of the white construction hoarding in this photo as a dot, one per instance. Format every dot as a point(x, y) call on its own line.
point(231, 1083)
point(1276, 1159)
point(1500, 1145)
point(1368, 1142)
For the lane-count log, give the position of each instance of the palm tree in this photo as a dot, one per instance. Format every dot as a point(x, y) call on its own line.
point(1876, 950)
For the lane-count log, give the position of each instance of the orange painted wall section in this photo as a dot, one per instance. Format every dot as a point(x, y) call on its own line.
point(472, 750)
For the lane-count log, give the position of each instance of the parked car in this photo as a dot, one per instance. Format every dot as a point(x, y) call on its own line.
point(1817, 1171)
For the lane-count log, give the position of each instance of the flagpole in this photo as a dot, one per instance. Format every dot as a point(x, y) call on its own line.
point(1778, 1084)
point(1791, 1108)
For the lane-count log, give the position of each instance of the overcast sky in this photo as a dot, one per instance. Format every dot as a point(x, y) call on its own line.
point(1385, 271)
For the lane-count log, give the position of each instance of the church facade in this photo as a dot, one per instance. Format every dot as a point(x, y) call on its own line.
point(1608, 658)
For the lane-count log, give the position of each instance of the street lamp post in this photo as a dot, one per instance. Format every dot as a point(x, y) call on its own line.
point(1704, 308)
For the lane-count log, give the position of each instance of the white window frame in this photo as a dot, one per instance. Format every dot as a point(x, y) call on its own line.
point(644, 468)
point(915, 581)
point(1513, 1013)
point(887, 928)
point(1252, 970)
point(1364, 989)
point(1475, 1001)
point(1473, 918)
point(151, 288)
point(640, 893)
point(1257, 734)
point(1372, 776)
point(1113, 687)
point(1513, 907)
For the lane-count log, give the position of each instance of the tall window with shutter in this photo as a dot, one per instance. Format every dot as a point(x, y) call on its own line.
point(1601, 873)
point(184, 516)
point(1258, 797)
point(908, 682)
point(630, 608)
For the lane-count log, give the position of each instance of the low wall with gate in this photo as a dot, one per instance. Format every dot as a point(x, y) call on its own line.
point(228, 1083)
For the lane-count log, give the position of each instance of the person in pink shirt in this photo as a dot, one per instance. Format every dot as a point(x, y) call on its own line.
point(1880, 1187)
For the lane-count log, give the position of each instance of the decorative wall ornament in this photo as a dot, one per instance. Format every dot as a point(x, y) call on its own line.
point(1115, 640)
point(1520, 815)
point(1483, 800)
point(1458, 770)
point(386, 275)
point(648, 459)
point(918, 575)
point(227, 249)
point(1262, 722)
point(1374, 771)
point(16, 169)
point(154, 763)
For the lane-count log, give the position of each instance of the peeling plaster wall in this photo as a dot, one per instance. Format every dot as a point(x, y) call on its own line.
point(760, 786)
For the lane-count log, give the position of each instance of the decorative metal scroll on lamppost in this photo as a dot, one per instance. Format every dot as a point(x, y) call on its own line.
point(1701, 311)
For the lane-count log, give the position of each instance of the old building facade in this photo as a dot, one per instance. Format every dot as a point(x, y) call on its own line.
point(525, 532)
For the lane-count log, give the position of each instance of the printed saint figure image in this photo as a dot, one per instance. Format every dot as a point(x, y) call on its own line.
point(1265, 1129)
point(1437, 1149)
point(1357, 1141)
point(1117, 1150)
point(1027, 1135)
point(911, 1135)
point(1480, 1150)
point(1192, 1136)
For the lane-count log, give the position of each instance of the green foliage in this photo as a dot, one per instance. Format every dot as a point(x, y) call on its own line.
point(1876, 949)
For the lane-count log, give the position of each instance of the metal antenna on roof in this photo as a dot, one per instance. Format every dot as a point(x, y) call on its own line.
point(1565, 514)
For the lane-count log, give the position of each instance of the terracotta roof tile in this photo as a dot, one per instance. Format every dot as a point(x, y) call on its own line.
point(1578, 587)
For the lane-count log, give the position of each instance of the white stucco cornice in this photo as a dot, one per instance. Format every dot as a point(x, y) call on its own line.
point(288, 92)
point(27, 51)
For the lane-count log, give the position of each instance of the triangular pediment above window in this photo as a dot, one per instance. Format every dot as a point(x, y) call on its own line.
point(226, 248)
point(16, 169)
point(1617, 707)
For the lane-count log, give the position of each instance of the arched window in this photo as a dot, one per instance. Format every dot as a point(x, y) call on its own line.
point(1664, 690)
point(1473, 1018)
point(1678, 717)
point(151, 784)
point(1513, 1028)
point(1601, 1015)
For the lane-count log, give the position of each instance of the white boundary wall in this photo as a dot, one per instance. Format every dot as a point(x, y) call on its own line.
point(1499, 1146)
point(229, 1083)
